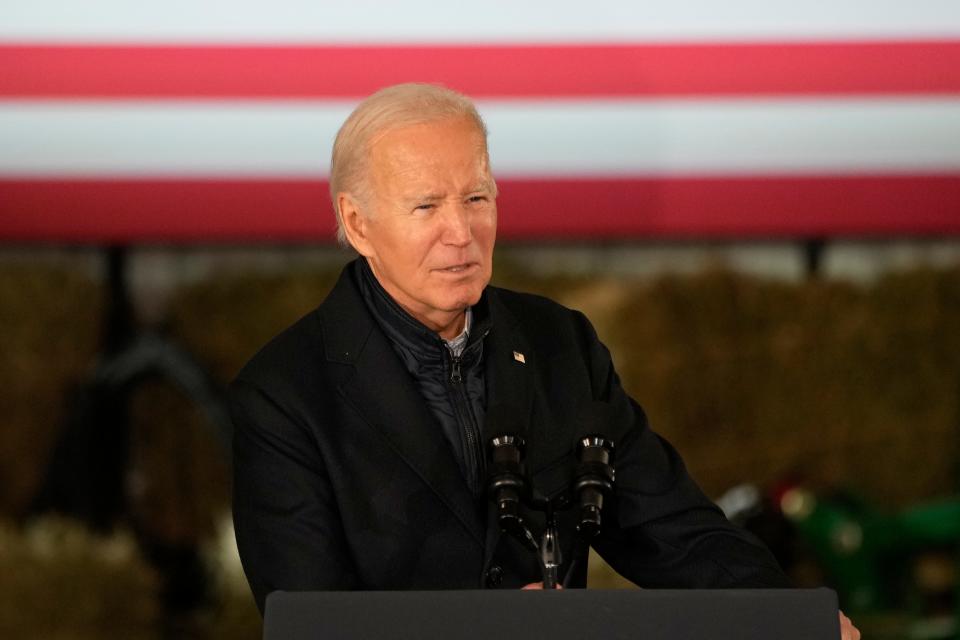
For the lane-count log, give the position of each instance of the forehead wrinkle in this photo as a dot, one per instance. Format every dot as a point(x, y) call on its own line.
point(484, 183)
point(420, 184)
point(410, 174)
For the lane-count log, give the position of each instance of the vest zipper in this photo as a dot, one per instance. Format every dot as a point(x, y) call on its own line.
point(455, 376)
point(461, 405)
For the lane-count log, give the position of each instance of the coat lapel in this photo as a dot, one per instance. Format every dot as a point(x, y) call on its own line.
point(382, 392)
point(509, 364)
point(514, 403)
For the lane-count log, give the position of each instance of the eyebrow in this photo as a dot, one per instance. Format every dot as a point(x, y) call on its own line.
point(432, 197)
point(424, 197)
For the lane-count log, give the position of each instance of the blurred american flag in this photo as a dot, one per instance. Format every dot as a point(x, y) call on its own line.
point(213, 121)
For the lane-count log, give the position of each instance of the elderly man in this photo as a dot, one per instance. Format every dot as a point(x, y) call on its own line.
point(360, 452)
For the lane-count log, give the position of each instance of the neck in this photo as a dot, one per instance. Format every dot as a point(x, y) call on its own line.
point(452, 329)
point(446, 324)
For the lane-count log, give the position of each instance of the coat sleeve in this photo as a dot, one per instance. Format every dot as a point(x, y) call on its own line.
point(660, 530)
point(287, 524)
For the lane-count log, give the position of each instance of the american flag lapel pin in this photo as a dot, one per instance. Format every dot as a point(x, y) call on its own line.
point(519, 357)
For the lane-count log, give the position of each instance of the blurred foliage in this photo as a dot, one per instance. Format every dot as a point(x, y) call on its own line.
point(751, 379)
point(225, 321)
point(61, 582)
point(71, 584)
point(841, 385)
point(49, 332)
point(179, 476)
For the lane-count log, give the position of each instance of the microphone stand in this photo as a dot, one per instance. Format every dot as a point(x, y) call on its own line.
point(551, 556)
point(507, 486)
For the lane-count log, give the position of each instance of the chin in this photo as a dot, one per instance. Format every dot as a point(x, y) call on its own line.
point(459, 294)
point(467, 297)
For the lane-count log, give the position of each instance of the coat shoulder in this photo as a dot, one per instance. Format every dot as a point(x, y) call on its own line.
point(317, 344)
point(530, 308)
point(547, 323)
point(285, 355)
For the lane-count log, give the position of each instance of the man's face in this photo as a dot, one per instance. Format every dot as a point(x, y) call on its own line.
point(432, 221)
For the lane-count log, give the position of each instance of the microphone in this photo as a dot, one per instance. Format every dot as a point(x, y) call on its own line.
point(594, 475)
point(593, 481)
point(506, 480)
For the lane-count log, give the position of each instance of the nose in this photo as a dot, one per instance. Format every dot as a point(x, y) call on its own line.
point(457, 230)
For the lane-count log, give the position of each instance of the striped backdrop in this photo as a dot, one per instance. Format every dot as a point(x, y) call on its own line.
point(212, 121)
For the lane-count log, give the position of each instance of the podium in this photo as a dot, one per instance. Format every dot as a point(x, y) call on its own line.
point(574, 614)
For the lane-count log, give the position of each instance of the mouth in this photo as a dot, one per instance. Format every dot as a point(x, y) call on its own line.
point(457, 269)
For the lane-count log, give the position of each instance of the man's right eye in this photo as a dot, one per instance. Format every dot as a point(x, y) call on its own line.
point(424, 207)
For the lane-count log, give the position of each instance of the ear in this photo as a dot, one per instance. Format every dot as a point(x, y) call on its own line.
point(355, 224)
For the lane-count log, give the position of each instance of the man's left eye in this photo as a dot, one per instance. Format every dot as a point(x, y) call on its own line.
point(477, 199)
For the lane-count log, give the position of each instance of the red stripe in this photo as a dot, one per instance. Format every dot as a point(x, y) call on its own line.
point(98, 211)
point(841, 68)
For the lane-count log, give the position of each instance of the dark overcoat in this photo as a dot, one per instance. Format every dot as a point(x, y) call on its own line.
point(343, 479)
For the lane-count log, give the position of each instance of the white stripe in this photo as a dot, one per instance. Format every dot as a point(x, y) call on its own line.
point(549, 138)
point(491, 20)
point(181, 138)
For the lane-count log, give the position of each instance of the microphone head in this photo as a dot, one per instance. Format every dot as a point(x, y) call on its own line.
point(507, 444)
point(595, 449)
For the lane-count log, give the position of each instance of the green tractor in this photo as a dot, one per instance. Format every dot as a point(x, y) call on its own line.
point(891, 570)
